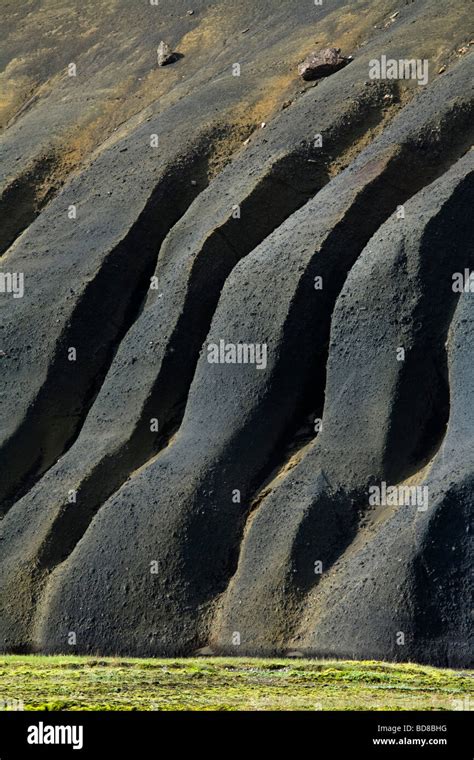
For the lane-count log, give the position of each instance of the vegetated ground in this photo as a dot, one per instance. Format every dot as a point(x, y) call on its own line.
point(89, 683)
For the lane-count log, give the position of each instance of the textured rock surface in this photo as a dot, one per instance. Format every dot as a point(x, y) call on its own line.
point(164, 54)
point(156, 502)
point(322, 63)
point(401, 289)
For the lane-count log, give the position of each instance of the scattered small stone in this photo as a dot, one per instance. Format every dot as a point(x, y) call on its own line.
point(442, 70)
point(263, 125)
point(322, 63)
point(392, 19)
point(190, 13)
point(246, 142)
point(165, 54)
point(193, 182)
point(2, 353)
point(244, 31)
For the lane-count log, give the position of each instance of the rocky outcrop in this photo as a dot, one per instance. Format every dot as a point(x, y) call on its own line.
point(322, 63)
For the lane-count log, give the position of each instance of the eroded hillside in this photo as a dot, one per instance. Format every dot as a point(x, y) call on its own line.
point(236, 356)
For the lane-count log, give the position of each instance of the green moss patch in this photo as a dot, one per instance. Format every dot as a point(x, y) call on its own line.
point(90, 683)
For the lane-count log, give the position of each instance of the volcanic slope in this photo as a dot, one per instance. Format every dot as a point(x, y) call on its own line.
point(153, 501)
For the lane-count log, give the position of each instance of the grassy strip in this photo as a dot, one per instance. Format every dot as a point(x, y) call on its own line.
point(91, 683)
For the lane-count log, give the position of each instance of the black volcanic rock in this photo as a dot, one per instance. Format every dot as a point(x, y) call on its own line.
point(401, 291)
point(231, 339)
